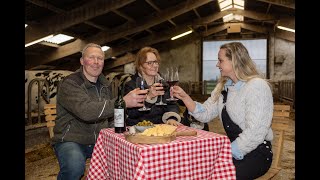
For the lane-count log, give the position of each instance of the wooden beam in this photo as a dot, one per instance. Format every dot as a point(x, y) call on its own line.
point(290, 36)
point(158, 9)
point(253, 14)
point(149, 40)
point(103, 28)
point(196, 12)
point(49, 44)
point(222, 27)
point(155, 38)
point(215, 29)
point(57, 53)
point(123, 30)
point(288, 22)
point(62, 21)
point(129, 57)
point(246, 13)
point(124, 15)
point(255, 28)
point(284, 3)
point(163, 36)
point(152, 20)
point(46, 5)
point(52, 8)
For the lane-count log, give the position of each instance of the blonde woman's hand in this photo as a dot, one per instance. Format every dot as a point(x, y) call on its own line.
point(178, 92)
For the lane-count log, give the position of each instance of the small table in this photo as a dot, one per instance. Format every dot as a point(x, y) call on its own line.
point(205, 156)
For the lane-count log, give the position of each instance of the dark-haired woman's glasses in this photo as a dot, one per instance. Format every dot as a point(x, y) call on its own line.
point(152, 63)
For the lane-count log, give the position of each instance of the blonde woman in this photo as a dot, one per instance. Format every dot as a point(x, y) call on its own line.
point(244, 103)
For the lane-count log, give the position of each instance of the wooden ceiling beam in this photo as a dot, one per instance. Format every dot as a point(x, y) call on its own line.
point(215, 29)
point(124, 15)
point(52, 8)
point(247, 26)
point(284, 3)
point(46, 5)
point(129, 57)
point(57, 53)
point(123, 30)
point(152, 20)
point(246, 13)
point(288, 22)
point(253, 14)
point(62, 21)
point(158, 9)
point(196, 12)
point(49, 44)
point(282, 34)
point(255, 28)
point(149, 40)
point(159, 37)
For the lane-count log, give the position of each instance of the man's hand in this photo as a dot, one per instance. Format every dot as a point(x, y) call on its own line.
point(155, 90)
point(135, 98)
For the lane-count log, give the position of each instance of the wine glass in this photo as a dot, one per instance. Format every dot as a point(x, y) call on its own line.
point(172, 80)
point(160, 80)
point(141, 83)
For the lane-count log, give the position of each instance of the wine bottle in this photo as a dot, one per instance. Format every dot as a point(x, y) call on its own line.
point(120, 113)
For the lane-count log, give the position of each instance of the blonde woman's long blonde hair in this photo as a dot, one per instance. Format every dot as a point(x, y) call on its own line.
point(242, 64)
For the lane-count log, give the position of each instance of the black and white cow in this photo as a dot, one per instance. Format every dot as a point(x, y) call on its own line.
point(52, 77)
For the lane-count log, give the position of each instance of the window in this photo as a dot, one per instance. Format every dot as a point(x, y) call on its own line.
point(257, 51)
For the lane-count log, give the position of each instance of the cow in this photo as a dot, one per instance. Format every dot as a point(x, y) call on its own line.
point(52, 77)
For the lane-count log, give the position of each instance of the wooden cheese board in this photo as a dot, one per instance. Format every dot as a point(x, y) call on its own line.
point(143, 139)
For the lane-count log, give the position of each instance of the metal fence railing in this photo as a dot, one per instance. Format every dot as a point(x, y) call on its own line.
point(198, 87)
point(286, 91)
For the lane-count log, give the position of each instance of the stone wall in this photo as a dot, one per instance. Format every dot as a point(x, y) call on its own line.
point(186, 57)
point(281, 59)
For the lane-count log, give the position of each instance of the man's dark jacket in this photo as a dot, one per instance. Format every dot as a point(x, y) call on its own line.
point(83, 109)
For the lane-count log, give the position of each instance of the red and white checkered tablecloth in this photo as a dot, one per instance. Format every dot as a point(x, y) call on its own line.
point(206, 156)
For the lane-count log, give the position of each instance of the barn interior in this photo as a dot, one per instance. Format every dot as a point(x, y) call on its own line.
point(125, 26)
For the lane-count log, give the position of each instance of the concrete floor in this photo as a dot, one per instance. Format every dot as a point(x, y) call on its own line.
point(41, 163)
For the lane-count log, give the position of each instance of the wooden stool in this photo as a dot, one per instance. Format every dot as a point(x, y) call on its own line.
point(280, 123)
point(51, 114)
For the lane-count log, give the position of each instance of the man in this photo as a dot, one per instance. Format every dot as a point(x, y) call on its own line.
point(84, 107)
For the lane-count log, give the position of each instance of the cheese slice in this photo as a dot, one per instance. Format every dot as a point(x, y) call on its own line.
point(159, 130)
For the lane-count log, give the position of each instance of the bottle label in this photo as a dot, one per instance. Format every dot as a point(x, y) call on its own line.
point(118, 117)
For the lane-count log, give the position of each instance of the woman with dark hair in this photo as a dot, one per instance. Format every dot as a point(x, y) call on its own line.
point(147, 66)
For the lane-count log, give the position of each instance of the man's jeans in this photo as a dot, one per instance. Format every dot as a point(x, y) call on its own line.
point(72, 159)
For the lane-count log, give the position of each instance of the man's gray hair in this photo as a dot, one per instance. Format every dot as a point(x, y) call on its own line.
point(90, 45)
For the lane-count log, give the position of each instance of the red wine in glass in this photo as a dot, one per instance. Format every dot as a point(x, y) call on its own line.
point(171, 84)
point(141, 84)
point(160, 103)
